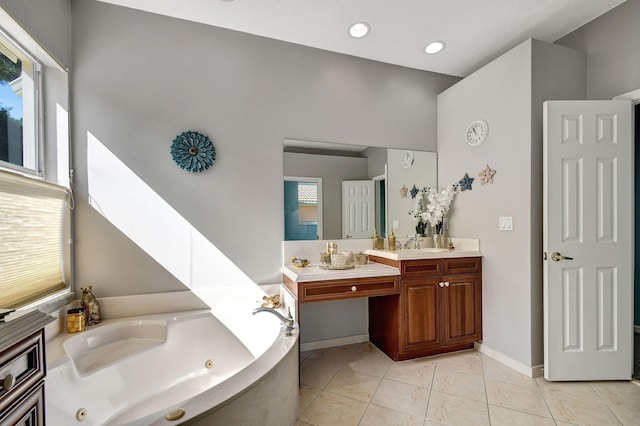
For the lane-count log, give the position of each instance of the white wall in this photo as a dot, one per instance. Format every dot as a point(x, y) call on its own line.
point(140, 79)
point(508, 94)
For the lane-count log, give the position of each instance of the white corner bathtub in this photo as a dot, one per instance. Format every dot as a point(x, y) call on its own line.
point(134, 371)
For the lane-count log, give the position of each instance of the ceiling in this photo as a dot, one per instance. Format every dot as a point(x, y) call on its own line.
point(475, 32)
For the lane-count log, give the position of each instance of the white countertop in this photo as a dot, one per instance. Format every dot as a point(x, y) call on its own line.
point(313, 272)
point(428, 253)
point(464, 247)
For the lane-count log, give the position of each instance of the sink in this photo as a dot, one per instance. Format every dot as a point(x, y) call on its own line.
point(424, 250)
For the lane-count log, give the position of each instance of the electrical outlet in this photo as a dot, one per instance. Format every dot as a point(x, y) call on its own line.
point(505, 223)
point(396, 224)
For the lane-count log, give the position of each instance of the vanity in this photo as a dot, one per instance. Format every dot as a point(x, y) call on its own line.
point(22, 369)
point(421, 301)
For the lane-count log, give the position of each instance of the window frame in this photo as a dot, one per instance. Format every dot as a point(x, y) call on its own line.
point(38, 145)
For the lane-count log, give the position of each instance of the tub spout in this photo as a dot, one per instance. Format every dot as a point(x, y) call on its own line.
point(286, 321)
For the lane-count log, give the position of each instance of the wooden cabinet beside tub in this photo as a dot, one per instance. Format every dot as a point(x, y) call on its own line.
point(439, 309)
point(22, 370)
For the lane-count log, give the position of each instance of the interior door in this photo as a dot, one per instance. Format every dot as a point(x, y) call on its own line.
point(358, 208)
point(588, 242)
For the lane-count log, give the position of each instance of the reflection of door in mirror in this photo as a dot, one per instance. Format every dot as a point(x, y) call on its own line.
point(335, 163)
point(358, 208)
point(302, 208)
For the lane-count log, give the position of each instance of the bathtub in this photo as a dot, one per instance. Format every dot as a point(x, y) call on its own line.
point(176, 368)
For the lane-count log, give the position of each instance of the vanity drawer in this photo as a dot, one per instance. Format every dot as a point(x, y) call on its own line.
point(462, 265)
point(421, 267)
point(346, 289)
point(21, 368)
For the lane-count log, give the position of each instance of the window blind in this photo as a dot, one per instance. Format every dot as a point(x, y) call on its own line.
point(32, 222)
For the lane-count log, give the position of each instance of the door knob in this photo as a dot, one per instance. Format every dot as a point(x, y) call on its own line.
point(555, 256)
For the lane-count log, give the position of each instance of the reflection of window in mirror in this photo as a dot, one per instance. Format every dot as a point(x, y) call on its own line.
point(308, 203)
point(302, 208)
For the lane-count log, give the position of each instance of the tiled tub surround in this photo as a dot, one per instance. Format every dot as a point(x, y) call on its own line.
point(358, 385)
point(137, 378)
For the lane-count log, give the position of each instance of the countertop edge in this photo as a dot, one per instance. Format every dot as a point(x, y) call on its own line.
point(379, 270)
point(399, 255)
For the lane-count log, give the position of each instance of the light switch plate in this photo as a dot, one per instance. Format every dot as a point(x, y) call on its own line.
point(396, 224)
point(505, 223)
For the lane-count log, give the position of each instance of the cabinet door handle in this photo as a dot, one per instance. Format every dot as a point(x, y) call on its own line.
point(354, 288)
point(446, 283)
point(8, 382)
point(441, 284)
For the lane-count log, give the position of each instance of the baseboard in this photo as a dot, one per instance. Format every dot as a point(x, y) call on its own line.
point(533, 372)
point(330, 343)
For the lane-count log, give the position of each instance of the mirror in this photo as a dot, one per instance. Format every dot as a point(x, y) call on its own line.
point(319, 175)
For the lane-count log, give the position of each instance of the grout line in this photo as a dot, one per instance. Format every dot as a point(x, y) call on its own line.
point(545, 400)
point(484, 383)
point(605, 403)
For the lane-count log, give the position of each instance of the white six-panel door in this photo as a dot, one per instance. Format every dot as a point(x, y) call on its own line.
point(358, 208)
point(588, 240)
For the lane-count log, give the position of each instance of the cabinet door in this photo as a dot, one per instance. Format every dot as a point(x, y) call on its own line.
point(421, 314)
point(462, 305)
point(29, 411)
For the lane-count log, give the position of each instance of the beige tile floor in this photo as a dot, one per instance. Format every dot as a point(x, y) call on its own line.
point(358, 385)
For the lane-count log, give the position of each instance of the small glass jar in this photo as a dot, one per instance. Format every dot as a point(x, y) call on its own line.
point(75, 320)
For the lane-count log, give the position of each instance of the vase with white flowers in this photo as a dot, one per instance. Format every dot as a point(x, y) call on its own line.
point(419, 207)
point(433, 210)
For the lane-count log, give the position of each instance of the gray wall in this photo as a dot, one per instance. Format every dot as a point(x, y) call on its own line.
point(612, 44)
point(422, 173)
point(140, 79)
point(508, 94)
point(333, 170)
point(48, 21)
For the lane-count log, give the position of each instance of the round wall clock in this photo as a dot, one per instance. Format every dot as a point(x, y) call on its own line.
point(477, 132)
point(407, 159)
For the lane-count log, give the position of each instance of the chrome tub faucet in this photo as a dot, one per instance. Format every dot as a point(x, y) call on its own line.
point(286, 321)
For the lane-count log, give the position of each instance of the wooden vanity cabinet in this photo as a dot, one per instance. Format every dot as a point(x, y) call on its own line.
point(22, 370)
point(439, 309)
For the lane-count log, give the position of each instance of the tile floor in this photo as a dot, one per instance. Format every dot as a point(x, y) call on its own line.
point(358, 385)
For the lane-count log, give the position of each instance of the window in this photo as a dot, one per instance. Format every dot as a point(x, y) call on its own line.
point(308, 202)
point(19, 89)
point(34, 229)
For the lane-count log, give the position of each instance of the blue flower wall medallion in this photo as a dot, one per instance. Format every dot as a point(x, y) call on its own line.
point(465, 182)
point(193, 151)
point(414, 191)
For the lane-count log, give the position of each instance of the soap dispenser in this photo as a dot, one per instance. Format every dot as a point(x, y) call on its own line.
point(374, 239)
point(392, 241)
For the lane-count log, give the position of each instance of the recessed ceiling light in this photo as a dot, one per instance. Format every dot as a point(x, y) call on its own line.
point(359, 29)
point(434, 47)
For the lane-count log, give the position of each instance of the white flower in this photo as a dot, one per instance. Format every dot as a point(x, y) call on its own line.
point(438, 204)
